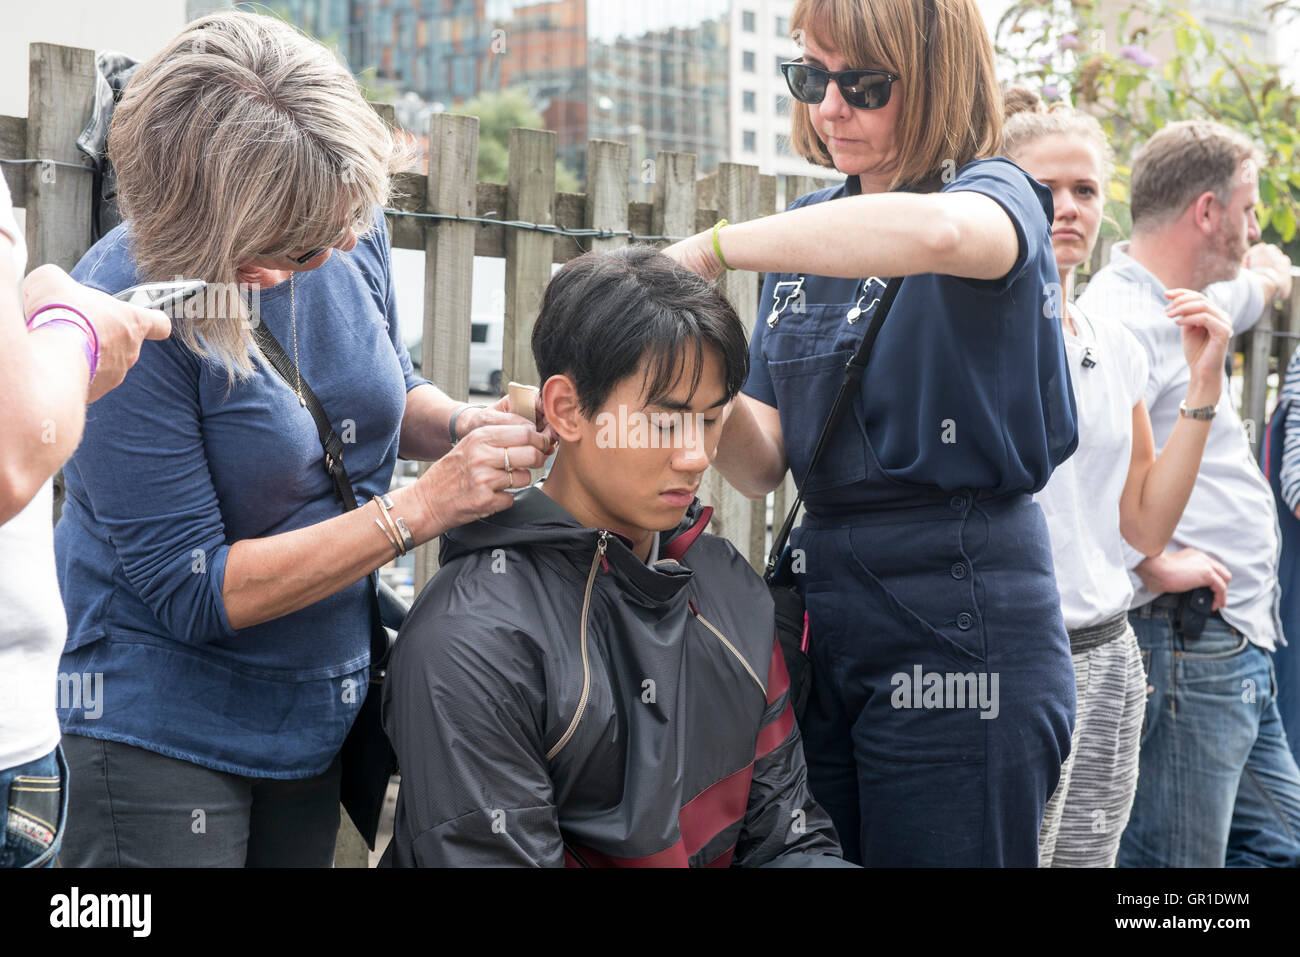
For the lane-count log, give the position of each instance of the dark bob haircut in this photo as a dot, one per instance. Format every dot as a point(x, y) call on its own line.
point(606, 314)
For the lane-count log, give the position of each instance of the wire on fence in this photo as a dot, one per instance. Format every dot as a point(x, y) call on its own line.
point(585, 233)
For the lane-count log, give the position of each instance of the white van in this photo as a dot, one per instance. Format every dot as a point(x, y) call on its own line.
point(486, 332)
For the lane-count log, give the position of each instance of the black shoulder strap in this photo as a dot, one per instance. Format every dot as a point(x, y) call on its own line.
point(853, 371)
point(329, 439)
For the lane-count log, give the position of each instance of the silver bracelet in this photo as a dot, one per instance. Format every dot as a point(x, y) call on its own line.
point(408, 542)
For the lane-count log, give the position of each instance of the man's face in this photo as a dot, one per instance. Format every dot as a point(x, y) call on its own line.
point(1236, 228)
point(640, 465)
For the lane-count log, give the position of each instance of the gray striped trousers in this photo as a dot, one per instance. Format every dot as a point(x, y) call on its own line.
point(1088, 812)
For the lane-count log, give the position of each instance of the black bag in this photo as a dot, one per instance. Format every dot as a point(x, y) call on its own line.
point(367, 755)
point(791, 615)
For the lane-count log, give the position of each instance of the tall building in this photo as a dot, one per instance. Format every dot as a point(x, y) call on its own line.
point(759, 99)
point(696, 76)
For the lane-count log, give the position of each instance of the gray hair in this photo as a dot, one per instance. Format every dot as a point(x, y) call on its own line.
point(243, 137)
point(1183, 161)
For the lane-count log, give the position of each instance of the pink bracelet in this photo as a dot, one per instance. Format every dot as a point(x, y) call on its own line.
point(72, 317)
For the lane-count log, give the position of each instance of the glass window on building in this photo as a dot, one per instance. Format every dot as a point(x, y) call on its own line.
point(747, 21)
point(782, 145)
point(749, 101)
point(782, 105)
point(747, 61)
point(751, 141)
point(783, 27)
point(782, 59)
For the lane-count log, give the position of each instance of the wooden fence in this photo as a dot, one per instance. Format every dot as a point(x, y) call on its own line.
point(58, 204)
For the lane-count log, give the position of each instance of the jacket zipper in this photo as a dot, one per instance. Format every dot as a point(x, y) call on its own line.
point(730, 647)
point(602, 542)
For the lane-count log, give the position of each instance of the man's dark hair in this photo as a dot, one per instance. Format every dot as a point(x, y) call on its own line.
point(605, 313)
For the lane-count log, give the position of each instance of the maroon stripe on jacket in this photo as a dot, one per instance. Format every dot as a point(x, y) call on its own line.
point(778, 679)
point(771, 737)
point(701, 819)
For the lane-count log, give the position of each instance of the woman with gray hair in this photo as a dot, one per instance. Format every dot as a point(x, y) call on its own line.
point(219, 600)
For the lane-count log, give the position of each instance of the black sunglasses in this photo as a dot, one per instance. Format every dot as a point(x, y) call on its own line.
point(861, 89)
point(308, 257)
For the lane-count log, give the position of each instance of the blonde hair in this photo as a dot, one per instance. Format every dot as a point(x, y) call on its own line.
point(1028, 119)
point(951, 109)
point(243, 137)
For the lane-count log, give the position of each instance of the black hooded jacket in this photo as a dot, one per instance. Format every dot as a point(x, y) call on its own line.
point(553, 700)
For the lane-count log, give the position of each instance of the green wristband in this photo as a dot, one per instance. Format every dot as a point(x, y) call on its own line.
point(717, 248)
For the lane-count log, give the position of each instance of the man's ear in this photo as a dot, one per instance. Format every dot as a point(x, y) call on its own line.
point(1205, 212)
point(560, 403)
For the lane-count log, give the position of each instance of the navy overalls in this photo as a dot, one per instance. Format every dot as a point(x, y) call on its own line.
point(943, 698)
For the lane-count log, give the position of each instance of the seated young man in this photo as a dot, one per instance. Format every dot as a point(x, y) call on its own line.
point(590, 679)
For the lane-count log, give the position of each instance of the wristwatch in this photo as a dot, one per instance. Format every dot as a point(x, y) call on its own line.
point(1204, 412)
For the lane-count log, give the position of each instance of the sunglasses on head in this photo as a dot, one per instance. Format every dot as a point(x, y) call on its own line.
point(861, 89)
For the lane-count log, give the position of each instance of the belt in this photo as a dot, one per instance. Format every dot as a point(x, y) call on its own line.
point(1094, 636)
point(1176, 599)
point(1191, 609)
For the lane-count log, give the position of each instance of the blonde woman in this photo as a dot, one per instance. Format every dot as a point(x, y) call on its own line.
point(1113, 489)
point(943, 694)
point(218, 599)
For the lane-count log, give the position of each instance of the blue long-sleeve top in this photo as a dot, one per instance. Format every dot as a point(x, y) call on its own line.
point(174, 467)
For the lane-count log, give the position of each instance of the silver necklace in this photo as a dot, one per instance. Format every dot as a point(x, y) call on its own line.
point(293, 320)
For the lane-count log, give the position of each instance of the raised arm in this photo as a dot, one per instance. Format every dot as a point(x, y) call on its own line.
point(957, 233)
point(44, 374)
point(1157, 488)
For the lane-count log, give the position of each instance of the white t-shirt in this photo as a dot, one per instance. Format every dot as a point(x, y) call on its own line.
point(32, 625)
point(1081, 499)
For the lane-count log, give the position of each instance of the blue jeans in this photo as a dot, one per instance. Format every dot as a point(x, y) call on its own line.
point(36, 810)
point(1217, 783)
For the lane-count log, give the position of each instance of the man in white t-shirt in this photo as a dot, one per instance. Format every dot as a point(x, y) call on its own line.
point(52, 339)
point(1217, 783)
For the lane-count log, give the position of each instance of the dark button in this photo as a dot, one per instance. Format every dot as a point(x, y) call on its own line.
point(964, 621)
point(958, 570)
point(958, 502)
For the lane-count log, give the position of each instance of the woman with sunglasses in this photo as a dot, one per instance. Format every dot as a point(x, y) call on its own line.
point(943, 693)
point(219, 600)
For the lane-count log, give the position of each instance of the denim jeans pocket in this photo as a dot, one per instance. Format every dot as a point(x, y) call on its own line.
point(35, 813)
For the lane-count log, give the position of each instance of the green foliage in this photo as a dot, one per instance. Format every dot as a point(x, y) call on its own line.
point(1063, 49)
point(498, 114)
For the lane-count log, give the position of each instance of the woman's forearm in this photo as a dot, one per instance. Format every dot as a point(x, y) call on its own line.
point(884, 234)
point(43, 378)
point(1149, 516)
point(1168, 486)
point(424, 436)
point(267, 578)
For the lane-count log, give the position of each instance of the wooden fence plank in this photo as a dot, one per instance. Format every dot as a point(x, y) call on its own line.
point(530, 197)
point(13, 145)
point(738, 518)
point(58, 199)
point(448, 272)
point(607, 191)
point(1257, 349)
point(674, 205)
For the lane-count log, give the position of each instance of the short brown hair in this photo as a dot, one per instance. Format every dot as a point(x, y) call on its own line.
point(952, 110)
point(1181, 162)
